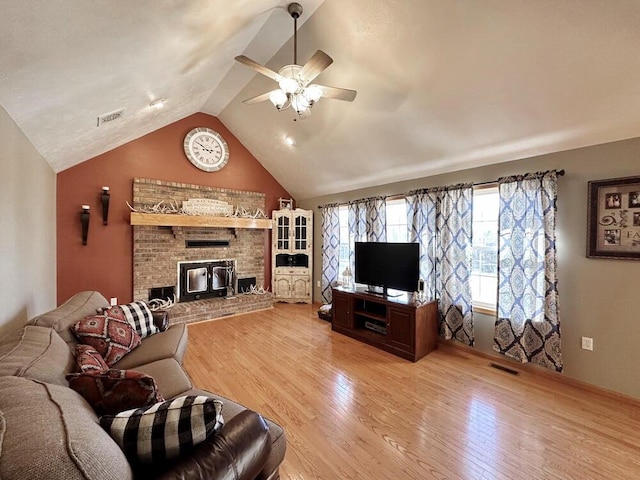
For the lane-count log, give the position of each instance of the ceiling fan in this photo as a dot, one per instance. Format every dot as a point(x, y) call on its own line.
point(294, 81)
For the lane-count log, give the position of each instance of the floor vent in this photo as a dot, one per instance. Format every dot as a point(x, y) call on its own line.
point(504, 369)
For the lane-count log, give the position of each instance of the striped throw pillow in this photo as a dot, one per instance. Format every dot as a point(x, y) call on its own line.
point(138, 315)
point(165, 430)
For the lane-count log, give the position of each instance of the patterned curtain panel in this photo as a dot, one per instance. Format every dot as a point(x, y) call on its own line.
point(454, 253)
point(367, 223)
point(421, 223)
point(528, 326)
point(440, 220)
point(330, 249)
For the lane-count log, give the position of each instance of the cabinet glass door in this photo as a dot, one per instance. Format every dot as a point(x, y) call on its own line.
point(300, 233)
point(283, 233)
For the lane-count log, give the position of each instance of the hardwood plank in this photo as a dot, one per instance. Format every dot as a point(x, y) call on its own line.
point(353, 411)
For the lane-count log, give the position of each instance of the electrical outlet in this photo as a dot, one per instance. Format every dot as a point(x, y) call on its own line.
point(587, 343)
point(318, 284)
point(114, 301)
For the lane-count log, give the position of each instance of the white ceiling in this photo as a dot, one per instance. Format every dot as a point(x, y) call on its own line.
point(442, 84)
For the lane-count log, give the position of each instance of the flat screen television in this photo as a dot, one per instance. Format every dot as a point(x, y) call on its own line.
point(388, 265)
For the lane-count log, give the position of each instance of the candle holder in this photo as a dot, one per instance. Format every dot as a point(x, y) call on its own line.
point(84, 220)
point(105, 204)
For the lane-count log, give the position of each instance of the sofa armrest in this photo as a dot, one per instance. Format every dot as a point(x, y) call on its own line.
point(161, 319)
point(239, 451)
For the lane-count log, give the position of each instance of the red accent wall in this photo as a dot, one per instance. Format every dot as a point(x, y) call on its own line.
point(105, 264)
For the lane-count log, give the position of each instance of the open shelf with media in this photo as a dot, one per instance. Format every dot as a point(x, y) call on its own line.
point(394, 324)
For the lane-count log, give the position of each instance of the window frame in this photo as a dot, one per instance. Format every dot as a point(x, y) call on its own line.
point(479, 306)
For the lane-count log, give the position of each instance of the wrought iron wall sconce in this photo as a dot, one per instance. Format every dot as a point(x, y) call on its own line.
point(105, 204)
point(84, 219)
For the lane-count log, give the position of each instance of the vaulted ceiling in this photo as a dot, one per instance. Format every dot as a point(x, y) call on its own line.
point(442, 85)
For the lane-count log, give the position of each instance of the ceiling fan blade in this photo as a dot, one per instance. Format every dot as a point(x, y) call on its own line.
point(257, 67)
point(258, 98)
point(343, 94)
point(315, 66)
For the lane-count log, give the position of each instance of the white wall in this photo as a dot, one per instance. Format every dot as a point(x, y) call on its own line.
point(27, 229)
point(598, 298)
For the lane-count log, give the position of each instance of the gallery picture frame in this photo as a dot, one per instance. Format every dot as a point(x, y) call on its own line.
point(613, 218)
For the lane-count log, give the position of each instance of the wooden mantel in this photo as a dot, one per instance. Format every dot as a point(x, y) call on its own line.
point(175, 220)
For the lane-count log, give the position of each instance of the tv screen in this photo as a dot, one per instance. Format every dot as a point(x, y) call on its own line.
point(388, 265)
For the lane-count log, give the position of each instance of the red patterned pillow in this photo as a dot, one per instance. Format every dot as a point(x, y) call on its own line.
point(89, 360)
point(114, 391)
point(112, 337)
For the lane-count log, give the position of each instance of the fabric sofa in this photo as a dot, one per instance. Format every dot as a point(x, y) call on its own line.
point(49, 431)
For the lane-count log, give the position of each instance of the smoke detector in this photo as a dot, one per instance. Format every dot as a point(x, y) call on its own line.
point(110, 117)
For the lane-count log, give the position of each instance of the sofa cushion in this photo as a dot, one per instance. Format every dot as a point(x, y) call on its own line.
point(73, 310)
point(36, 352)
point(169, 344)
point(50, 428)
point(89, 360)
point(115, 390)
point(138, 315)
point(169, 376)
point(165, 430)
point(111, 337)
point(276, 434)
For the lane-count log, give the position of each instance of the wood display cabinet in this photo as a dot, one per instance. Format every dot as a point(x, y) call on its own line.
point(292, 255)
point(397, 325)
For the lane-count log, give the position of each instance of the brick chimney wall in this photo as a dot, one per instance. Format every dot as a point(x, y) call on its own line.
point(157, 250)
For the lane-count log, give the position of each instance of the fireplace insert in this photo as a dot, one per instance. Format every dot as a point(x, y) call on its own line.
point(202, 279)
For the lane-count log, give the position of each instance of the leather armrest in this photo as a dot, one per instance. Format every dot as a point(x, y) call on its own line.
point(239, 451)
point(161, 319)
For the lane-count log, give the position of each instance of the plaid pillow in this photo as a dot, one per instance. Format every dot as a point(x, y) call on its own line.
point(138, 315)
point(89, 360)
point(165, 430)
point(112, 337)
point(113, 391)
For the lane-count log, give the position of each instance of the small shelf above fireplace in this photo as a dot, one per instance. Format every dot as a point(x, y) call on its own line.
point(174, 220)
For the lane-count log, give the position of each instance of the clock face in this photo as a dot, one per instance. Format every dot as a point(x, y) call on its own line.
point(206, 149)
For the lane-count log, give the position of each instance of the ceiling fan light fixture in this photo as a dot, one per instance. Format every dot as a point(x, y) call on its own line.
point(313, 93)
point(300, 103)
point(294, 79)
point(278, 98)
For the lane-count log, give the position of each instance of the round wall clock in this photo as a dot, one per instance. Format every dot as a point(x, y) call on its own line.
point(206, 149)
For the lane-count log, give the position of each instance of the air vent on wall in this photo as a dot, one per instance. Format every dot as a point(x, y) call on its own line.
point(110, 117)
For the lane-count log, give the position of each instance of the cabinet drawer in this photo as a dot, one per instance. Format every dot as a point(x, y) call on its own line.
point(290, 271)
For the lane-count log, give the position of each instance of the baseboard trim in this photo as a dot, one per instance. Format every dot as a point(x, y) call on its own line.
point(542, 372)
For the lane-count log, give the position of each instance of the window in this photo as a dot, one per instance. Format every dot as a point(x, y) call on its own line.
point(396, 212)
point(484, 271)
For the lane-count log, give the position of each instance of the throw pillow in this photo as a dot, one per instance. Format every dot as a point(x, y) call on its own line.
point(165, 430)
point(113, 391)
point(112, 337)
point(89, 360)
point(138, 315)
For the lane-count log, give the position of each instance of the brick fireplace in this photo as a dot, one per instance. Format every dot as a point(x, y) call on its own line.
point(157, 251)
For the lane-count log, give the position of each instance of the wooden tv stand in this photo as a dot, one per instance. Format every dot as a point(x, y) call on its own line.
point(395, 324)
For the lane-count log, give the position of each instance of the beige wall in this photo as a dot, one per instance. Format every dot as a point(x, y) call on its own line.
point(598, 298)
point(27, 229)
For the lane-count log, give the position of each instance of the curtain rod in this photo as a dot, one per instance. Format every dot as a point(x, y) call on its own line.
point(560, 173)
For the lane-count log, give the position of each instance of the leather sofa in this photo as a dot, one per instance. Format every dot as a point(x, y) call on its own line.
point(48, 431)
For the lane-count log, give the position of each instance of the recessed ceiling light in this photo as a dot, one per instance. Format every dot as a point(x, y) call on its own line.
point(158, 103)
point(289, 140)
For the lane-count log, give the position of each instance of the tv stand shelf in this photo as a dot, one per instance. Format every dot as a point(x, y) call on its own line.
point(395, 324)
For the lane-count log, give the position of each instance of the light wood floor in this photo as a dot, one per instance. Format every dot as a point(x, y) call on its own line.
point(351, 411)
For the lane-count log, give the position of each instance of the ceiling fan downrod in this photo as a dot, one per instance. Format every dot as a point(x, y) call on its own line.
point(295, 10)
